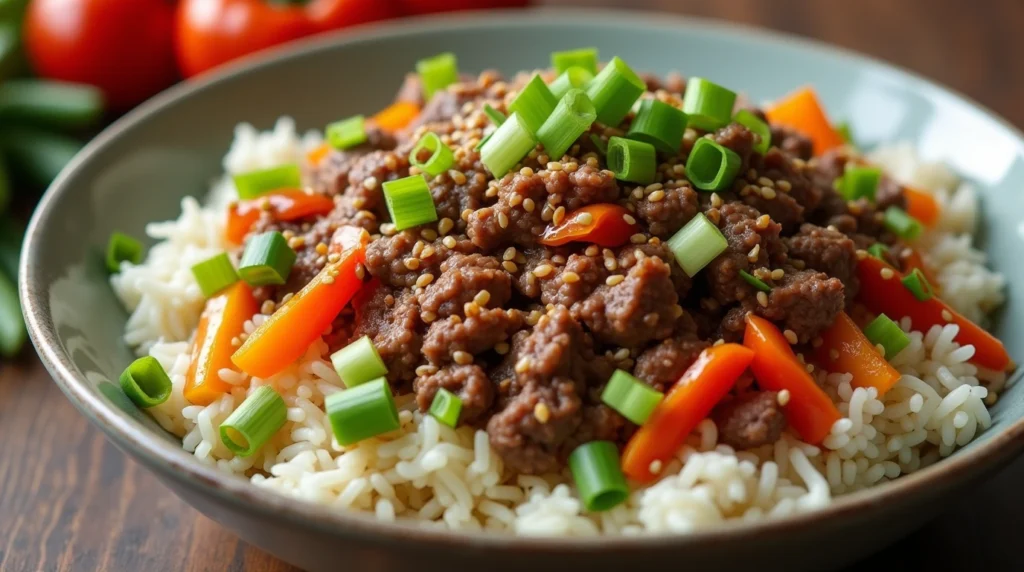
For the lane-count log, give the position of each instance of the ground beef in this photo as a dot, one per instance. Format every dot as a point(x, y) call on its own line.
point(516, 218)
point(626, 257)
point(580, 187)
point(749, 420)
point(804, 301)
point(401, 259)
point(476, 333)
point(739, 139)
point(462, 280)
point(391, 319)
point(469, 382)
point(367, 175)
point(829, 251)
point(668, 214)
point(752, 244)
point(792, 142)
point(663, 365)
point(889, 194)
point(571, 283)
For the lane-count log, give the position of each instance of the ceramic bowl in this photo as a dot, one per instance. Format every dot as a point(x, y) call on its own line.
point(140, 167)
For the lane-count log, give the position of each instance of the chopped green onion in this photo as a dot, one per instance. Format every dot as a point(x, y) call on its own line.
point(533, 104)
point(585, 58)
point(494, 115)
point(254, 183)
point(634, 399)
point(845, 132)
point(901, 224)
point(362, 412)
point(697, 244)
point(756, 125)
point(484, 141)
point(600, 144)
point(708, 104)
point(215, 274)
point(883, 331)
point(358, 363)
point(711, 166)
point(446, 407)
point(437, 72)
point(614, 91)
point(572, 78)
point(507, 146)
point(441, 157)
point(120, 248)
point(918, 285)
point(598, 475)
point(860, 182)
point(632, 161)
point(409, 201)
point(755, 281)
point(659, 124)
point(571, 118)
point(267, 259)
point(145, 382)
point(879, 251)
point(347, 133)
point(254, 422)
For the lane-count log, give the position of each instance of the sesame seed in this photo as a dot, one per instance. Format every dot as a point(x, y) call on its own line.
point(886, 273)
point(611, 264)
point(510, 266)
point(716, 201)
point(520, 258)
point(558, 215)
point(523, 364)
point(391, 162)
point(810, 368)
point(614, 279)
point(458, 176)
point(541, 412)
point(526, 172)
point(570, 277)
point(462, 358)
point(592, 250)
point(765, 182)
point(947, 315)
point(411, 263)
point(425, 370)
point(718, 342)
point(790, 336)
point(783, 397)
point(754, 253)
point(778, 273)
point(529, 205)
point(656, 196)
point(554, 166)
point(482, 298)
point(768, 193)
point(429, 234)
point(638, 238)
point(328, 279)
point(515, 200)
point(542, 270)
point(428, 316)
point(713, 215)
point(465, 214)
point(501, 348)
point(427, 252)
point(509, 254)
point(296, 242)
point(360, 271)
point(655, 467)
point(638, 193)
point(425, 279)
point(784, 186)
point(628, 218)
point(448, 241)
point(677, 311)
point(502, 220)
point(762, 299)
point(558, 259)
point(471, 309)
point(370, 183)
point(546, 213)
point(387, 229)
point(445, 226)
point(763, 221)
point(267, 307)
point(585, 218)
point(492, 192)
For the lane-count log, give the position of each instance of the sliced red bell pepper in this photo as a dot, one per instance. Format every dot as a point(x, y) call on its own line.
point(223, 319)
point(691, 400)
point(845, 349)
point(284, 205)
point(882, 291)
point(809, 410)
point(602, 224)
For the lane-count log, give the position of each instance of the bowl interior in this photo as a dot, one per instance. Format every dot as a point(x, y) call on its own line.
point(139, 169)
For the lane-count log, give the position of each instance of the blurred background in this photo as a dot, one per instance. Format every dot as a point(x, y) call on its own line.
point(70, 67)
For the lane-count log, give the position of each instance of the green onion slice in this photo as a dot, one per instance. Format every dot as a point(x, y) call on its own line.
point(584, 58)
point(534, 104)
point(632, 161)
point(571, 118)
point(708, 104)
point(572, 78)
point(446, 407)
point(358, 363)
point(600, 144)
point(507, 146)
point(254, 422)
point(145, 382)
point(659, 124)
point(267, 259)
point(409, 201)
point(347, 133)
point(902, 224)
point(883, 331)
point(121, 248)
point(755, 281)
point(215, 274)
point(845, 132)
point(756, 125)
point(878, 250)
point(441, 157)
point(494, 115)
point(918, 285)
point(599, 479)
point(614, 91)
point(634, 399)
point(438, 72)
point(254, 183)
point(711, 166)
point(860, 182)
point(362, 412)
point(697, 244)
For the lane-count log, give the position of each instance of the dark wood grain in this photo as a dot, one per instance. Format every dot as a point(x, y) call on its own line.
point(70, 501)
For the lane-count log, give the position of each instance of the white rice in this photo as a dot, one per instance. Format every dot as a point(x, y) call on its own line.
point(448, 478)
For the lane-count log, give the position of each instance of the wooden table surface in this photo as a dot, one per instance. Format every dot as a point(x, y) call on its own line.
point(70, 501)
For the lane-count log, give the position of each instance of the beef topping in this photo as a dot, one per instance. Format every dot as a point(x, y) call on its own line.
point(750, 420)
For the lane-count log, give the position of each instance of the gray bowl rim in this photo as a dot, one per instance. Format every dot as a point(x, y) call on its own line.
point(174, 462)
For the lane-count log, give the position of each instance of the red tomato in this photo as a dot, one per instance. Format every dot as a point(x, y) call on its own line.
point(123, 47)
point(213, 32)
point(430, 6)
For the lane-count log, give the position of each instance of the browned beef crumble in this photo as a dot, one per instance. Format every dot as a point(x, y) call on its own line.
point(528, 335)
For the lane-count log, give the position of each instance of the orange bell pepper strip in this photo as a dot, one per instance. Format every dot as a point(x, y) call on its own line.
point(883, 293)
point(602, 224)
point(286, 335)
point(396, 116)
point(690, 401)
point(801, 110)
point(845, 349)
point(809, 410)
point(912, 259)
point(318, 154)
point(223, 319)
point(922, 206)
point(284, 205)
